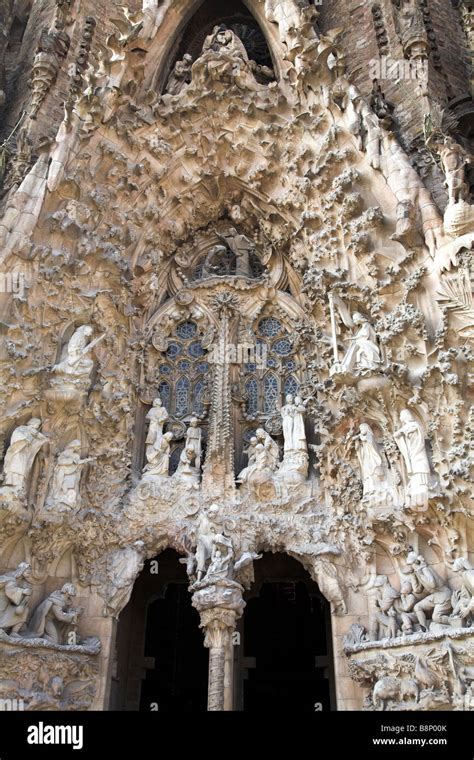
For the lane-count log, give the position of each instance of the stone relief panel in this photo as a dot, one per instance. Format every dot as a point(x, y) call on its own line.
point(248, 334)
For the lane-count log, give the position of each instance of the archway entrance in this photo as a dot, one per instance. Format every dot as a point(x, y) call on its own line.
point(286, 653)
point(161, 662)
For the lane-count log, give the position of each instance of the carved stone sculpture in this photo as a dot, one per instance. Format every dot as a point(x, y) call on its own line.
point(205, 531)
point(15, 592)
point(364, 354)
point(293, 424)
point(454, 161)
point(187, 473)
point(52, 49)
point(251, 452)
point(25, 443)
point(180, 77)
point(153, 14)
point(55, 618)
point(241, 246)
point(374, 476)
point(436, 601)
point(157, 417)
point(383, 622)
point(65, 488)
point(410, 439)
point(463, 599)
point(73, 373)
point(122, 569)
point(194, 441)
point(158, 458)
point(224, 58)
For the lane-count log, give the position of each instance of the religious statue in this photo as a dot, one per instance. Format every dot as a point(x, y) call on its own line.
point(251, 452)
point(410, 439)
point(15, 592)
point(206, 529)
point(65, 488)
point(224, 58)
point(382, 621)
point(295, 24)
point(123, 567)
point(436, 595)
point(270, 446)
point(293, 424)
point(25, 443)
point(364, 353)
point(215, 263)
point(76, 368)
point(187, 472)
point(454, 161)
point(260, 475)
point(242, 247)
point(406, 221)
point(153, 15)
point(220, 567)
point(194, 441)
point(407, 605)
point(180, 76)
point(463, 599)
point(371, 462)
point(158, 457)
point(157, 417)
point(55, 618)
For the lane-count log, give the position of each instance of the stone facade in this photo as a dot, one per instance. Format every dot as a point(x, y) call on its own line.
point(236, 314)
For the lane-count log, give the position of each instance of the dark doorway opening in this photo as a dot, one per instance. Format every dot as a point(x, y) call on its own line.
point(161, 662)
point(287, 654)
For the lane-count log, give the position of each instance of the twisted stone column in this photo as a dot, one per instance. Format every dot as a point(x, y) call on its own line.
point(218, 625)
point(220, 605)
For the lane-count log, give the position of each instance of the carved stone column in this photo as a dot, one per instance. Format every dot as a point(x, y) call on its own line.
point(220, 606)
point(218, 474)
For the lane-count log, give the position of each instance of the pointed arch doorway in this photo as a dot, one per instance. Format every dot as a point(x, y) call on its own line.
point(284, 661)
point(160, 661)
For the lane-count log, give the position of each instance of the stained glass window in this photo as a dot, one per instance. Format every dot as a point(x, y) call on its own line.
point(269, 327)
point(174, 349)
point(185, 371)
point(268, 381)
point(199, 388)
point(186, 330)
point(165, 393)
point(174, 458)
point(291, 386)
point(283, 347)
point(196, 350)
point(251, 388)
point(270, 394)
point(182, 397)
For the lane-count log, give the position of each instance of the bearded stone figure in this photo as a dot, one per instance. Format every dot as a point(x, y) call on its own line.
point(371, 462)
point(410, 439)
point(15, 593)
point(25, 443)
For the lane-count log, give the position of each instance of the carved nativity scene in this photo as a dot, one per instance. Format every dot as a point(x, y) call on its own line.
point(239, 360)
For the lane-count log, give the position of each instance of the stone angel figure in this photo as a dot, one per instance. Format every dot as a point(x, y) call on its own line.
point(76, 368)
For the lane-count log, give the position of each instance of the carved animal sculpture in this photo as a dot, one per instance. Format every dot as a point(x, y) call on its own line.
point(391, 689)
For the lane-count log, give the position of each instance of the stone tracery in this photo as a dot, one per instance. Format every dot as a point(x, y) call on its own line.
point(208, 252)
